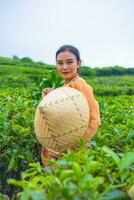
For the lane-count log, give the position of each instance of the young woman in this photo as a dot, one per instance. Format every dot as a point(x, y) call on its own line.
point(68, 63)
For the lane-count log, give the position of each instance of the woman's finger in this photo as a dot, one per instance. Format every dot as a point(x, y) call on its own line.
point(46, 91)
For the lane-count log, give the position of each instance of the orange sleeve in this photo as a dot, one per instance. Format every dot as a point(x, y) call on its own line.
point(95, 121)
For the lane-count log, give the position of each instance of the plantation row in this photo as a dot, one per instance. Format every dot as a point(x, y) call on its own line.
point(84, 70)
point(104, 171)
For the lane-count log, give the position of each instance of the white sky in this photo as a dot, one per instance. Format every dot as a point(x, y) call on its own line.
point(102, 30)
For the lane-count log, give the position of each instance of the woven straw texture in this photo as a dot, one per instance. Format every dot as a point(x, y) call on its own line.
point(61, 118)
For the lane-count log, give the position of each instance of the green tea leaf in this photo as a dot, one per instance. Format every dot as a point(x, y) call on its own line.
point(112, 154)
point(127, 160)
point(131, 192)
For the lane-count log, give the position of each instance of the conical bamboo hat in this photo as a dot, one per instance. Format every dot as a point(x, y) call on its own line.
point(61, 118)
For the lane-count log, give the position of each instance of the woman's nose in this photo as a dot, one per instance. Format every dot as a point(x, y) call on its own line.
point(65, 66)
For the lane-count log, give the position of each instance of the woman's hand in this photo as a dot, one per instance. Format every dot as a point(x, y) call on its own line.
point(88, 135)
point(46, 91)
point(48, 154)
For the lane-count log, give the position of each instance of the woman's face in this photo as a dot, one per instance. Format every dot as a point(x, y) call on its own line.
point(67, 65)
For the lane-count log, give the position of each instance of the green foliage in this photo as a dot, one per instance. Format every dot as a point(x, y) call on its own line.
point(25, 62)
point(104, 171)
point(8, 61)
point(26, 59)
point(15, 57)
point(114, 86)
point(77, 175)
point(87, 71)
point(52, 80)
point(112, 71)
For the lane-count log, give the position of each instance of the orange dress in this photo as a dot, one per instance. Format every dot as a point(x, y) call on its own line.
point(94, 122)
point(81, 85)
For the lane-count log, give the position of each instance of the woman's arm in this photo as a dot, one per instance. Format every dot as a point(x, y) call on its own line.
point(95, 121)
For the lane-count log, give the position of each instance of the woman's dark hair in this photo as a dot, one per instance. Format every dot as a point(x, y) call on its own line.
point(69, 48)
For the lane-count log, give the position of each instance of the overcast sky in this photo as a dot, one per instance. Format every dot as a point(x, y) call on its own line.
point(102, 30)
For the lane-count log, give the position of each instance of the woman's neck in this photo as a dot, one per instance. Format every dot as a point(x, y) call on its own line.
point(73, 79)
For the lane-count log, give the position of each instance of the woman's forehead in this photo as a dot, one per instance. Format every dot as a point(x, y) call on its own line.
point(66, 55)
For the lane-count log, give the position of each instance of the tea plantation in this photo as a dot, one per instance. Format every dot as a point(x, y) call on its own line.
point(103, 171)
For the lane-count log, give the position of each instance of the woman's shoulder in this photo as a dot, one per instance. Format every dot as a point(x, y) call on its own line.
point(80, 84)
point(84, 83)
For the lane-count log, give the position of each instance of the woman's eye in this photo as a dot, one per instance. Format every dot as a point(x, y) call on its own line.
point(59, 63)
point(69, 63)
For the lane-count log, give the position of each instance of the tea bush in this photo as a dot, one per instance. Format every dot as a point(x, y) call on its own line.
point(104, 171)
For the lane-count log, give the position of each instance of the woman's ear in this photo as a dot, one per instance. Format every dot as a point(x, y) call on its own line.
point(79, 63)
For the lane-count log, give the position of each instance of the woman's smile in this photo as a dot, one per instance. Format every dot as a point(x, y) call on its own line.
point(65, 73)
